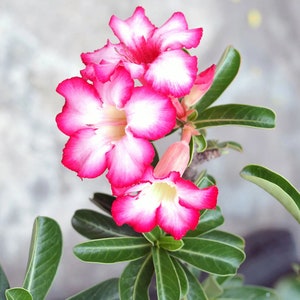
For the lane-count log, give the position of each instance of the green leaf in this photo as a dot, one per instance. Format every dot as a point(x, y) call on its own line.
point(231, 145)
point(200, 141)
point(112, 250)
point(276, 185)
point(169, 243)
point(44, 257)
point(104, 201)
point(182, 277)
point(4, 284)
point(226, 238)
point(156, 157)
point(17, 294)
point(191, 152)
point(167, 281)
point(249, 292)
point(227, 68)
point(94, 225)
point(196, 291)
point(212, 287)
point(236, 114)
point(154, 235)
point(135, 279)
point(105, 290)
point(209, 220)
point(205, 180)
point(288, 287)
point(210, 256)
point(230, 281)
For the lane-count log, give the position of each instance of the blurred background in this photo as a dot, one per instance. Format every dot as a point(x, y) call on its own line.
point(41, 43)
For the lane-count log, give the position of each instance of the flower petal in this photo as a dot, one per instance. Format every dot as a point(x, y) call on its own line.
point(135, 188)
point(110, 53)
point(82, 106)
point(174, 34)
point(133, 28)
point(101, 62)
point(176, 219)
point(172, 73)
point(193, 197)
point(136, 70)
point(85, 153)
point(117, 91)
point(128, 160)
point(149, 114)
point(98, 72)
point(201, 85)
point(140, 213)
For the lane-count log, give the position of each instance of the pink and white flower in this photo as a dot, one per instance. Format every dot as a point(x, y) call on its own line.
point(110, 125)
point(164, 198)
point(153, 55)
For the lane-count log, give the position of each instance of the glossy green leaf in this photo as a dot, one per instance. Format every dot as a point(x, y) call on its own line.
point(195, 291)
point(135, 279)
point(112, 250)
point(236, 114)
point(105, 290)
point(169, 243)
point(167, 282)
point(182, 277)
point(17, 294)
point(226, 238)
point(154, 235)
point(94, 225)
point(227, 68)
point(249, 292)
point(4, 284)
point(44, 257)
point(210, 256)
point(276, 185)
point(103, 201)
point(209, 220)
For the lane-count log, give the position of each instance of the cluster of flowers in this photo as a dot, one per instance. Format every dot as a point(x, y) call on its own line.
point(129, 95)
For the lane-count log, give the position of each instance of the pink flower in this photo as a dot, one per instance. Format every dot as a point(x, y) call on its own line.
point(164, 198)
point(153, 55)
point(110, 124)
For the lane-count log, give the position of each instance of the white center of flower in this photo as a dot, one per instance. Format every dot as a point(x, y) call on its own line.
point(113, 123)
point(163, 191)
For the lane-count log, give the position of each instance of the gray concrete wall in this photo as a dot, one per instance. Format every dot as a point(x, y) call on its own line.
point(40, 44)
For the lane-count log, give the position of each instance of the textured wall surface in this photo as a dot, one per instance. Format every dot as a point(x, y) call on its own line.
point(40, 44)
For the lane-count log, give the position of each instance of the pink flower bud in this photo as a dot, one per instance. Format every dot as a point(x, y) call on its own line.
point(201, 85)
point(176, 158)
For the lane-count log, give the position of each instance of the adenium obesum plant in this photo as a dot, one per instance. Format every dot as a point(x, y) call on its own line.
point(131, 94)
point(161, 215)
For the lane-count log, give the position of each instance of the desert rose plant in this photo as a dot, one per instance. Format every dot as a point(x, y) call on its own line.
point(159, 217)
